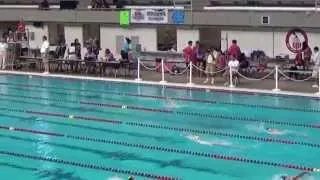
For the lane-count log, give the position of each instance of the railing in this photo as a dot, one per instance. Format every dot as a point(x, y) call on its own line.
point(275, 80)
point(276, 73)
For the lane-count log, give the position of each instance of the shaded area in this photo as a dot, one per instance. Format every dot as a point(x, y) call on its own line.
point(124, 156)
point(56, 174)
point(14, 166)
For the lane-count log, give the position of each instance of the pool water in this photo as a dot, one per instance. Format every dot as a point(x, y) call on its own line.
point(75, 130)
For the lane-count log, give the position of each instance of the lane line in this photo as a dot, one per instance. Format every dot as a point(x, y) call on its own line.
point(164, 149)
point(173, 128)
point(181, 113)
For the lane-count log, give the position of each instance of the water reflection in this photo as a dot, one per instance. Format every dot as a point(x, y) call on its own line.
point(126, 156)
point(54, 174)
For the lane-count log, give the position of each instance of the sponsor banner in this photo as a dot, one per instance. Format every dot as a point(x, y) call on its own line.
point(152, 16)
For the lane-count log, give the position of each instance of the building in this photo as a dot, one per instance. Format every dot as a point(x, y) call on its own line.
point(257, 25)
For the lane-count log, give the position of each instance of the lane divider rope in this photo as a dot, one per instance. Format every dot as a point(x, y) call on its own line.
point(195, 114)
point(178, 129)
point(205, 115)
point(88, 166)
point(183, 99)
point(224, 134)
point(171, 150)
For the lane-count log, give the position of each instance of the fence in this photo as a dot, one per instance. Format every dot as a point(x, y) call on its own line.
point(276, 76)
point(164, 72)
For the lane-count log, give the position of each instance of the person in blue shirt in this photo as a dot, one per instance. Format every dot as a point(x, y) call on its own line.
point(125, 49)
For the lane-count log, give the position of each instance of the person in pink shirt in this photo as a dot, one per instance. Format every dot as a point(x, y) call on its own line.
point(234, 49)
point(188, 53)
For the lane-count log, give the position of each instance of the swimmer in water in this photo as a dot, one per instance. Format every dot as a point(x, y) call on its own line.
point(171, 103)
point(297, 177)
point(198, 140)
point(274, 131)
point(130, 178)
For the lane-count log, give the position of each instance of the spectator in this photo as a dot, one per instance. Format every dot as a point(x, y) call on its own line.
point(24, 45)
point(298, 62)
point(44, 54)
point(95, 49)
point(125, 49)
point(3, 53)
point(199, 55)
point(21, 27)
point(90, 59)
point(108, 56)
point(233, 65)
point(10, 37)
point(77, 46)
point(72, 57)
point(244, 63)
point(316, 61)
point(306, 54)
point(21, 30)
point(221, 60)
point(234, 49)
point(44, 5)
point(211, 65)
point(61, 49)
point(188, 53)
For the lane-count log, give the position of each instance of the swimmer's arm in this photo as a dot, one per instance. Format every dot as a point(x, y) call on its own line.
point(302, 174)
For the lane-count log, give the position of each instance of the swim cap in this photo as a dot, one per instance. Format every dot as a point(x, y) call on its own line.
point(130, 178)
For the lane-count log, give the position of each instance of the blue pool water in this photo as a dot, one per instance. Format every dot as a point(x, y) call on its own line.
point(103, 130)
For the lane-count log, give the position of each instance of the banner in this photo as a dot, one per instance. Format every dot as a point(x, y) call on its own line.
point(124, 18)
point(152, 16)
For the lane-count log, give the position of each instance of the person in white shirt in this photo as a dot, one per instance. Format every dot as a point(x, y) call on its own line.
point(233, 65)
point(45, 53)
point(316, 62)
point(211, 65)
point(3, 53)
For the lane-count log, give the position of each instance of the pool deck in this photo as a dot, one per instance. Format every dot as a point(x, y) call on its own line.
point(181, 81)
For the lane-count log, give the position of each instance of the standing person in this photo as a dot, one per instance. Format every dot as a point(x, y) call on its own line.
point(44, 54)
point(211, 65)
point(221, 61)
point(234, 49)
point(306, 54)
point(316, 61)
point(125, 49)
point(21, 30)
point(77, 46)
point(188, 53)
point(199, 55)
point(3, 53)
point(10, 37)
point(233, 65)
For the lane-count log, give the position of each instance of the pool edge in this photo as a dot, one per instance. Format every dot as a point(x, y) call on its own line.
point(172, 85)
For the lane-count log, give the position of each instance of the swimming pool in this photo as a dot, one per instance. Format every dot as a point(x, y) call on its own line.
point(76, 129)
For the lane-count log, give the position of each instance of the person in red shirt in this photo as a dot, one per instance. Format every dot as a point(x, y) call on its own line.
point(188, 53)
point(234, 49)
point(21, 28)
